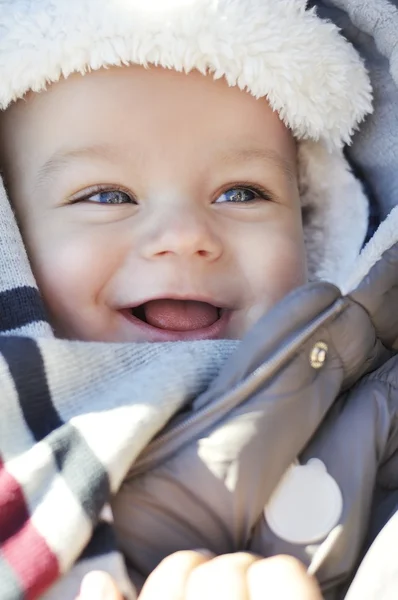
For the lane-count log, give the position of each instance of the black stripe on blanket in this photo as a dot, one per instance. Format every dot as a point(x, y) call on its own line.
point(20, 306)
point(28, 372)
point(102, 542)
point(81, 470)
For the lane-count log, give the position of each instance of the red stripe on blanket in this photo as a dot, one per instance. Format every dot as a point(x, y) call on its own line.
point(13, 509)
point(32, 561)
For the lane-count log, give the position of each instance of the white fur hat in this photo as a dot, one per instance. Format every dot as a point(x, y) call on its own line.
point(276, 49)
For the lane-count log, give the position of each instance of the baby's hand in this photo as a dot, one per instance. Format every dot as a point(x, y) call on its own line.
point(240, 576)
point(197, 575)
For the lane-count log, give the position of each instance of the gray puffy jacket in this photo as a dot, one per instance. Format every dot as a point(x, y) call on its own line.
point(321, 384)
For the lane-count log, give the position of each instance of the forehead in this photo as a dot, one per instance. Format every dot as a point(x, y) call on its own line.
point(149, 112)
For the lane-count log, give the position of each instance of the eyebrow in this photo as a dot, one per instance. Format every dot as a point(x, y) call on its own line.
point(62, 157)
point(267, 155)
point(109, 153)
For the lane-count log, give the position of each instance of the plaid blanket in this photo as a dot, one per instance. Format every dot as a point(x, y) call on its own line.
point(74, 417)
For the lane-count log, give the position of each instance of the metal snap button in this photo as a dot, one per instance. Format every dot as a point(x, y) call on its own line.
point(318, 355)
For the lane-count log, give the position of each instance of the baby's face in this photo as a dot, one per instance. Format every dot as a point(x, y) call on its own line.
point(154, 205)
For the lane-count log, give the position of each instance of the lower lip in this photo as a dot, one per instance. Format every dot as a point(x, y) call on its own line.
point(154, 334)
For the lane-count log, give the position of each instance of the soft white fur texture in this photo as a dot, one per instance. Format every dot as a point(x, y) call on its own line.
point(384, 238)
point(274, 48)
point(335, 212)
point(314, 79)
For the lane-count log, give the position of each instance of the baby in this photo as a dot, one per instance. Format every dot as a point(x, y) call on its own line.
point(166, 197)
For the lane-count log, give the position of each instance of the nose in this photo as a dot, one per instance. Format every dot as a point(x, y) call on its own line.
point(183, 234)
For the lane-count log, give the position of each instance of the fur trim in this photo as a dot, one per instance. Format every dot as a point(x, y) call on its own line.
point(275, 48)
point(335, 212)
point(384, 238)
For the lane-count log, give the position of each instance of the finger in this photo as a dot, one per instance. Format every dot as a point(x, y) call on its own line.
point(281, 577)
point(99, 586)
point(168, 580)
point(223, 577)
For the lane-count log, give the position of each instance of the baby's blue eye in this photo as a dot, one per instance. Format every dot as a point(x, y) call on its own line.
point(110, 197)
point(238, 194)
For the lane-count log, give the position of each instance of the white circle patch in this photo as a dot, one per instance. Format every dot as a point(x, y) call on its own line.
point(306, 505)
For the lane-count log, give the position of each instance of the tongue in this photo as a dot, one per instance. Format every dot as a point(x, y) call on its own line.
point(180, 315)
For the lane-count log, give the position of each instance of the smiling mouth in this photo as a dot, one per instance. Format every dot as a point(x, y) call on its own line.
point(177, 315)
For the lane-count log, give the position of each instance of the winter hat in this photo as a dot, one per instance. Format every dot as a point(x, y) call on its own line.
point(276, 49)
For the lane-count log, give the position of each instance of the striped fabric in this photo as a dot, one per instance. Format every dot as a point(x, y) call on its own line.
point(74, 417)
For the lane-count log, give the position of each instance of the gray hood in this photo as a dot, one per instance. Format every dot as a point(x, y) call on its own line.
point(372, 26)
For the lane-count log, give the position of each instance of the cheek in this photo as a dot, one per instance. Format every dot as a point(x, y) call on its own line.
point(72, 270)
point(272, 261)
